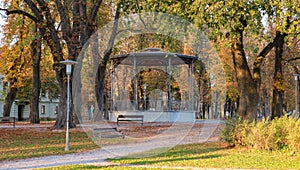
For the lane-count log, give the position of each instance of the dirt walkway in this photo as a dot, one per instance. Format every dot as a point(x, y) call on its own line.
point(173, 136)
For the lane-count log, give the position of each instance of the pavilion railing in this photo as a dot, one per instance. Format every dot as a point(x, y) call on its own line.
point(152, 105)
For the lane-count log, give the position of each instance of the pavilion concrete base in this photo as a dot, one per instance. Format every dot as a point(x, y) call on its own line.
point(155, 116)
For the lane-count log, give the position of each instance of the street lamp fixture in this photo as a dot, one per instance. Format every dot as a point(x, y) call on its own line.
point(68, 64)
point(296, 77)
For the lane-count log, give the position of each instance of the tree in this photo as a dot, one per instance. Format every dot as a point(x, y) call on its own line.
point(284, 18)
point(291, 61)
point(14, 64)
point(77, 21)
point(31, 45)
point(233, 21)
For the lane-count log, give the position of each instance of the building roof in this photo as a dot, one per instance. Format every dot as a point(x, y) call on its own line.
point(153, 57)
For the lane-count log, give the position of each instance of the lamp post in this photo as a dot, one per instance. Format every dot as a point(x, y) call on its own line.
point(68, 64)
point(296, 76)
point(145, 97)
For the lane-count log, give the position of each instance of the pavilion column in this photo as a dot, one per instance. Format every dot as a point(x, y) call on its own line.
point(190, 91)
point(135, 84)
point(112, 88)
point(169, 72)
point(192, 85)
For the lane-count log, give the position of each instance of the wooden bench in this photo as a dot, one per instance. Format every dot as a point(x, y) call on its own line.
point(130, 118)
point(109, 132)
point(8, 120)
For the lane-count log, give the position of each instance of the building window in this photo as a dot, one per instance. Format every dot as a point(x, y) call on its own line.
point(56, 110)
point(43, 93)
point(43, 109)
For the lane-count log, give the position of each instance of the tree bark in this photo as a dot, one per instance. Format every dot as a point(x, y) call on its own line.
point(61, 118)
point(36, 83)
point(10, 98)
point(248, 96)
point(99, 88)
point(278, 90)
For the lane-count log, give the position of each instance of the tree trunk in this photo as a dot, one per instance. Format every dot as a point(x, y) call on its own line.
point(266, 103)
point(36, 84)
point(278, 91)
point(248, 96)
point(61, 118)
point(9, 99)
point(99, 88)
point(101, 71)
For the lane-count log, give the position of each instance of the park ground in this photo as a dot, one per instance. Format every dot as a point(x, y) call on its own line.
point(39, 146)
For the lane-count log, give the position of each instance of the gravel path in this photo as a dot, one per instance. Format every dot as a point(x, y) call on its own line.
point(173, 136)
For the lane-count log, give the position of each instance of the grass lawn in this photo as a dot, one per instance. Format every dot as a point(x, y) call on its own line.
point(93, 167)
point(18, 143)
point(218, 155)
point(34, 142)
point(207, 155)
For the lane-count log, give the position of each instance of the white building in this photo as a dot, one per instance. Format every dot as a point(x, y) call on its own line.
point(47, 108)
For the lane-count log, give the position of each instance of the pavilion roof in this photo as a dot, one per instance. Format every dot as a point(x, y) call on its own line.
point(153, 57)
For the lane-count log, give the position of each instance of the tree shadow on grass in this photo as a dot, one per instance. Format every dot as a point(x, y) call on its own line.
point(178, 159)
point(179, 153)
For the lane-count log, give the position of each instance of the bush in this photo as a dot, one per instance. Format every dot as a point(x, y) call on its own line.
point(293, 137)
point(228, 134)
point(280, 133)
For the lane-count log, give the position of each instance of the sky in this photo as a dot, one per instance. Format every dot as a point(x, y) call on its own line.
point(2, 21)
point(1, 24)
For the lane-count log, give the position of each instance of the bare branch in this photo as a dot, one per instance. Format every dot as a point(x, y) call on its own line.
point(37, 12)
point(65, 22)
point(293, 59)
point(52, 38)
point(9, 12)
point(275, 42)
point(262, 55)
point(108, 51)
point(76, 17)
point(94, 11)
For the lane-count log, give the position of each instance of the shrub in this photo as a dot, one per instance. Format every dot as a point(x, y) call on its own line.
point(280, 133)
point(253, 139)
point(293, 137)
point(228, 134)
point(242, 131)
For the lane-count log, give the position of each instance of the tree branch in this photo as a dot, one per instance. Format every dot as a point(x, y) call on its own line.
point(276, 41)
point(262, 55)
point(65, 22)
point(260, 58)
point(94, 11)
point(293, 59)
point(108, 51)
point(76, 17)
point(9, 12)
point(37, 12)
point(52, 38)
